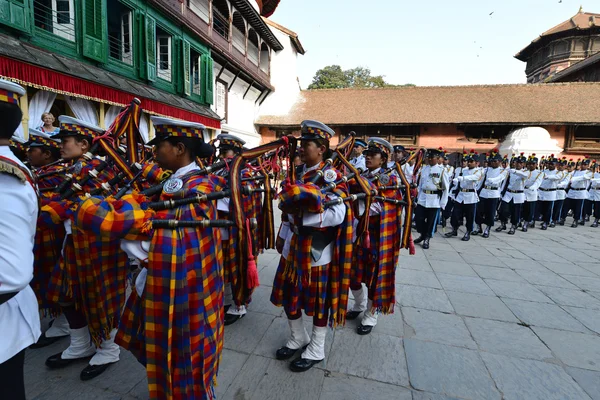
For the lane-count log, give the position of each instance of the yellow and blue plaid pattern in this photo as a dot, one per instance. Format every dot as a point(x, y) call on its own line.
point(177, 131)
point(380, 147)
point(82, 130)
point(229, 142)
point(9, 97)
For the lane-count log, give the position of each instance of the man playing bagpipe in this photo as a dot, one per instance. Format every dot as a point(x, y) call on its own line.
point(316, 248)
point(43, 154)
point(173, 320)
point(229, 147)
point(89, 281)
point(377, 254)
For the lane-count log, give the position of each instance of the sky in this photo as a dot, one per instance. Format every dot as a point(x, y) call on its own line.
point(424, 42)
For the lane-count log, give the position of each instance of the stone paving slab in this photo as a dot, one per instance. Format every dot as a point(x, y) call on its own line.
point(513, 317)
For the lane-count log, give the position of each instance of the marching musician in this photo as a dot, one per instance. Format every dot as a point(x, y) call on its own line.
point(532, 183)
point(376, 259)
point(89, 280)
point(310, 277)
point(19, 318)
point(43, 153)
point(432, 188)
point(561, 193)
point(514, 197)
point(578, 191)
point(173, 319)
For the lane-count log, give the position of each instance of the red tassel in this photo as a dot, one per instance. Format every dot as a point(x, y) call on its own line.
point(253, 280)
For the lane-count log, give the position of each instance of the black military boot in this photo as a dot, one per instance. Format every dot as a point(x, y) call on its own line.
point(467, 237)
point(595, 223)
point(512, 230)
point(419, 239)
point(561, 222)
point(453, 233)
point(552, 224)
point(486, 233)
point(426, 243)
point(502, 227)
point(574, 224)
point(544, 226)
point(525, 226)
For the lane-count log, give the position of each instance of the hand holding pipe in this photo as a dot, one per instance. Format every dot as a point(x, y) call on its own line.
point(78, 186)
point(199, 198)
point(206, 223)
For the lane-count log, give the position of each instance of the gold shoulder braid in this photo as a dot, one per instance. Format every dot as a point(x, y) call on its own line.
point(7, 168)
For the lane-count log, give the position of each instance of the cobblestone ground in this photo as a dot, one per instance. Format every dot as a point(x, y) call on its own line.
point(513, 317)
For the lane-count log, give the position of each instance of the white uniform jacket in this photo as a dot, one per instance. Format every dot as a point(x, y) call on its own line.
point(516, 186)
point(19, 316)
point(359, 163)
point(457, 173)
point(492, 187)
point(561, 194)
point(468, 186)
point(532, 183)
point(548, 187)
point(409, 172)
point(433, 186)
point(579, 184)
point(594, 192)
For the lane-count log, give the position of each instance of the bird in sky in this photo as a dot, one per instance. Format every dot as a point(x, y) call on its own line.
point(491, 13)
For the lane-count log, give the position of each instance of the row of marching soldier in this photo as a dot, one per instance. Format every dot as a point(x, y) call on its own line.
point(517, 192)
point(155, 248)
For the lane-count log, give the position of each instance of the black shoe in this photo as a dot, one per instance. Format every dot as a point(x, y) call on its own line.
point(552, 224)
point(512, 230)
point(92, 371)
point(582, 222)
point(520, 225)
point(302, 364)
point(232, 318)
point(44, 341)
point(561, 222)
point(486, 233)
point(426, 243)
point(450, 234)
point(525, 226)
point(475, 233)
point(466, 238)
point(587, 218)
point(226, 308)
point(532, 225)
point(594, 224)
point(284, 352)
point(419, 239)
point(56, 361)
point(574, 224)
point(364, 329)
point(352, 315)
point(544, 226)
point(479, 230)
point(501, 228)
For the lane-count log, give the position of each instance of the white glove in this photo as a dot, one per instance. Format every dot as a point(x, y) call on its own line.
point(140, 281)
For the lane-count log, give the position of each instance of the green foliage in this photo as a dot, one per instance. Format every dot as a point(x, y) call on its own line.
point(333, 77)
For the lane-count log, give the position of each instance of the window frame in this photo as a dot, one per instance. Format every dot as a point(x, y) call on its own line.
point(225, 99)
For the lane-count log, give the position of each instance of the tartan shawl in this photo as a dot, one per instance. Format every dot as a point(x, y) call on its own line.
point(298, 264)
point(390, 239)
point(49, 237)
point(52, 180)
point(183, 301)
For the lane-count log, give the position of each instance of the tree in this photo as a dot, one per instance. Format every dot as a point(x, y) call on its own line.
point(333, 77)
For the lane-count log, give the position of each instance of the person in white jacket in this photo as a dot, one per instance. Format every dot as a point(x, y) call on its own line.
point(578, 191)
point(19, 318)
point(561, 194)
point(547, 190)
point(532, 183)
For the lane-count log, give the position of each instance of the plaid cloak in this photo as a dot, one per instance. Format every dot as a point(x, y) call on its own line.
point(377, 257)
point(176, 327)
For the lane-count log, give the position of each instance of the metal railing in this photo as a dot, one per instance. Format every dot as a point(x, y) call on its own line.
point(220, 24)
point(56, 22)
point(120, 51)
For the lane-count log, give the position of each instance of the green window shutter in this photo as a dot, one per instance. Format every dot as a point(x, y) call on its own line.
point(16, 14)
point(150, 30)
point(95, 40)
point(207, 68)
point(186, 68)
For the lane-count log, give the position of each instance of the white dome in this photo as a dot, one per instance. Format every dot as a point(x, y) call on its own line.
point(530, 140)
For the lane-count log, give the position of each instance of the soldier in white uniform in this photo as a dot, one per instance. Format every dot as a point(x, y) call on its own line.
point(578, 191)
point(489, 196)
point(19, 318)
point(359, 159)
point(447, 212)
point(532, 183)
point(548, 190)
point(432, 195)
point(594, 194)
point(514, 196)
point(466, 198)
point(561, 194)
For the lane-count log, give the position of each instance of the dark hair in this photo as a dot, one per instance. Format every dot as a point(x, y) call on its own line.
point(54, 152)
point(323, 142)
point(10, 115)
point(196, 146)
